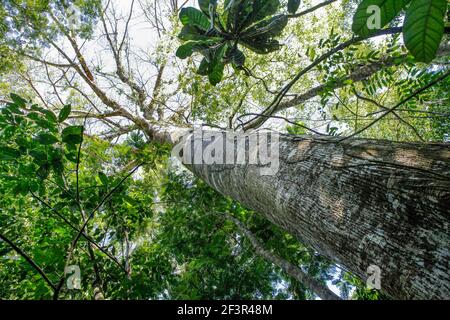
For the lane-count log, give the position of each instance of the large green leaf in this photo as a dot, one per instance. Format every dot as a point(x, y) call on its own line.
point(185, 50)
point(19, 101)
point(14, 108)
point(216, 74)
point(263, 9)
point(194, 17)
point(204, 5)
point(424, 28)
point(188, 48)
point(293, 6)
point(238, 13)
point(72, 130)
point(217, 65)
point(64, 113)
point(389, 9)
point(103, 178)
point(237, 57)
point(50, 116)
point(191, 33)
point(267, 28)
point(43, 171)
point(39, 157)
point(261, 46)
point(204, 67)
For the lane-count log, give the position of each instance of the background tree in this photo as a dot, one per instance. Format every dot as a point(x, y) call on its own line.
point(85, 54)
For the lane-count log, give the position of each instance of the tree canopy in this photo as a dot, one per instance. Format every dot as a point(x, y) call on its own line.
point(90, 90)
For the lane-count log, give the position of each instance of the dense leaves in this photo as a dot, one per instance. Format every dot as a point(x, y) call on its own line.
point(167, 233)
point(164, 228)
point(216, 33)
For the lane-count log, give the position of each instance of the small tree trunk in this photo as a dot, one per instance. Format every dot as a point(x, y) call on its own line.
point(358, 202)
point(290, 269)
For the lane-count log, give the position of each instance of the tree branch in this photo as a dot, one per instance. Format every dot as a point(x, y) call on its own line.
point(29, 260)
point(320, 5)
point(290, 269)
point(77, 238)
point(389, 111)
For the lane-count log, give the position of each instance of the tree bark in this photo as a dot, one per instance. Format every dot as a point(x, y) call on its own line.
point(360, 203)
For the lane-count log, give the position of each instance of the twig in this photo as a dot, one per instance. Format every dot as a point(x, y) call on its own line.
point(393, 112)
point(439, 79)
point(281, 118)
point(342, 46)
point(320, 5)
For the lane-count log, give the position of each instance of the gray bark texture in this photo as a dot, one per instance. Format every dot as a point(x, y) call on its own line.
point(360, 203)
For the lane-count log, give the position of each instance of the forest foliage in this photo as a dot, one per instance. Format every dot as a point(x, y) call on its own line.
point(83, 184)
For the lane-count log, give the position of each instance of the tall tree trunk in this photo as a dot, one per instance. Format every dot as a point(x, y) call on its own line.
point(358, 202)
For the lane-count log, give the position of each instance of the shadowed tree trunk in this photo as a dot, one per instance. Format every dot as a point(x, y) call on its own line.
point(358, 202)
point(320, 289)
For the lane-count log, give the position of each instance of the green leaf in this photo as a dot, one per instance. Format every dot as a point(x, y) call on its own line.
point(64, 113)
point(72, 139)
point(34, 116)
point(424, 28)
point(8, 154)
point(267, 28)
point(217, 66)
point(103, 178)
point(46, 139)
point(187, 49)
point(261, 46)
point(14, 108)
point(364, 18)
point(204, 68)
point(237, 57)
point(58, 166)
point(72, 156)
point(45, 124)
point(194, 17)
point(262, 9)
point(216, 73)
point(236, 12)
point(50, 116)
point(72, 135)
point(293, 6)
point(191, 33)
point(19, 101)
point(204, 5)
point(72, 130)
point(39, 157)
point(35, 107)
